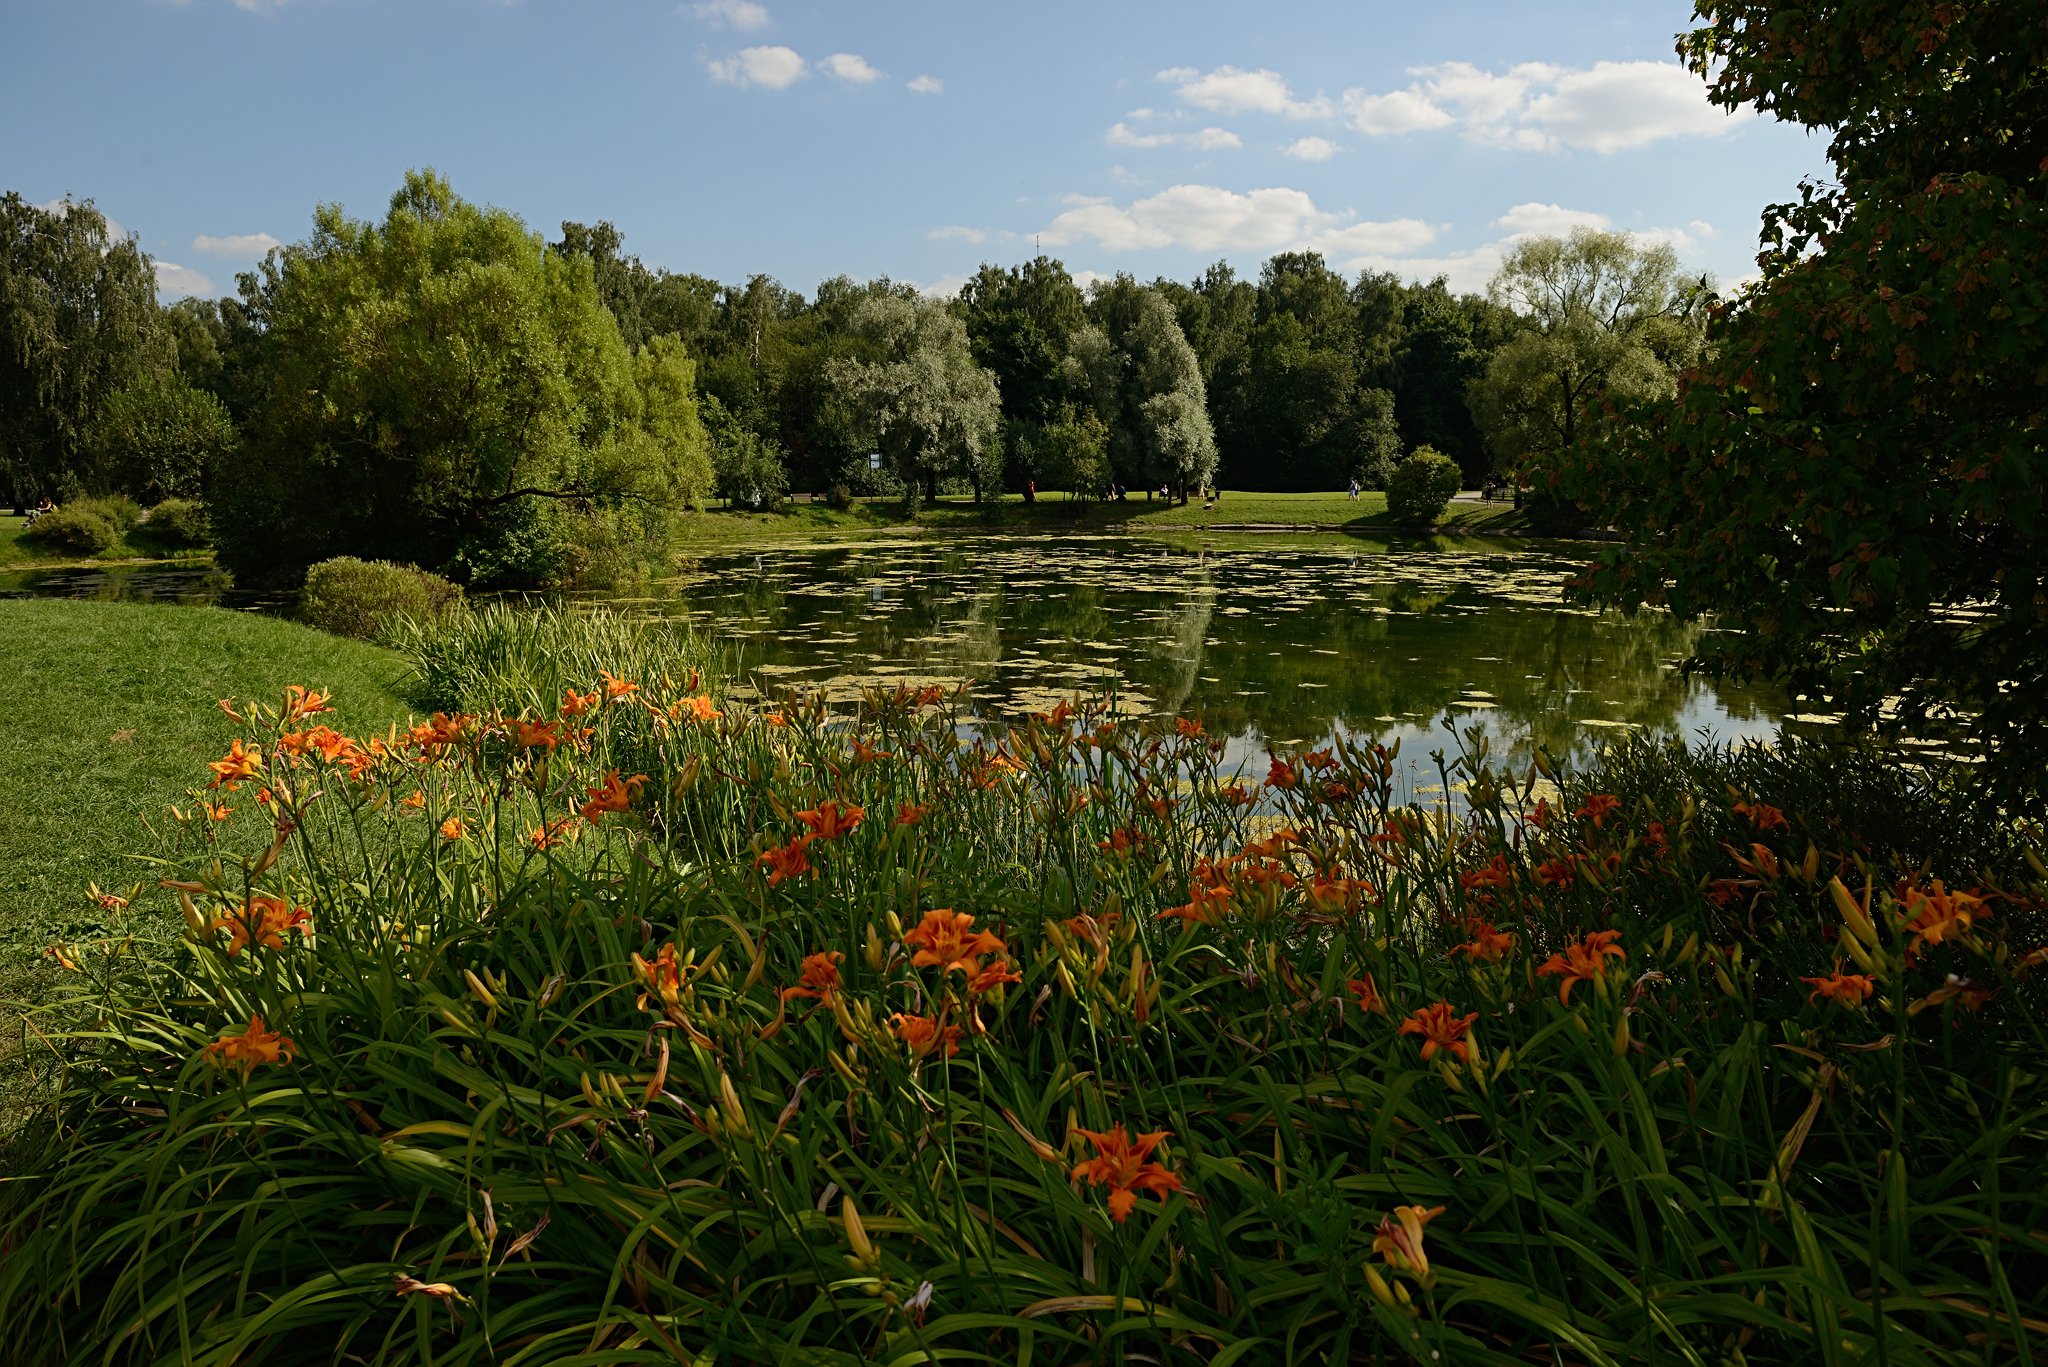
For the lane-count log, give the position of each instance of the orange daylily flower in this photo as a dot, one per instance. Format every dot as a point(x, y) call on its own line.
point(416, 802)
point(562, 830)
point(787, 861)
point(1399, 1240)
point(616, 689)
point(1123, 842)
point(1282, 775)
point(1494, 873)
point(215, 811)
point(1844, 989)
point(575, 704)
point(301, 702)
point(863, 753)
point(1336, 896)
point(1205, 905)
point(1583, 961)
point(910, 813)
point(241, 763)
point(1124, 1165)
point(1598, 807)
point(699, 708)
point(256, 1044)
point(1440, 1030)
point(1187, 726)
point(1367, 994)
point(817, 977)
point(922, 1034)
point(992, 977)
point(946, 940)
point(1487, 945)
point(442, 731)
point(532, 734)
point(613, 795)
point(662, 976)
point(1935, 915)
point(1761, 815)
point(453, 829)
point(832, 819)
point(263, 920)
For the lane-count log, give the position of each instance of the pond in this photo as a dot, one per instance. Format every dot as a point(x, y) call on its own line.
point(1273, 641)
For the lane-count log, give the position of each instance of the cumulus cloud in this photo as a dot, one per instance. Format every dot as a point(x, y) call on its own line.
point(845, 66)
point(1233, 90)
point(238, 244)
point(1526, 220)
point(945, 287)
point(775, 68)
point(177, 282)
point(744, 15)
point(957, 233)
point(1310, 149)
point(1209, 218)
point(1204, 140)
point(1535, 106)
point(924, 85)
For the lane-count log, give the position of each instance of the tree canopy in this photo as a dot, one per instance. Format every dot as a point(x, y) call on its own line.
point(1853, 478)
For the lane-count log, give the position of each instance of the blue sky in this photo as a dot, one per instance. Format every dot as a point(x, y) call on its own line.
point(915, 138)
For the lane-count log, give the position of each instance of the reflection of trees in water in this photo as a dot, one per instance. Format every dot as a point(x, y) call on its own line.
point(1297, 645)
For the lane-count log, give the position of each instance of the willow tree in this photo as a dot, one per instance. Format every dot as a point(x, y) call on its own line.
point(934, 412)
point(440, 388)
point(78, 324)
point(1148, 389)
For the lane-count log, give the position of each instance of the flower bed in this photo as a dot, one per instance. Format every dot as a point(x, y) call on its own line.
point(641, 1025)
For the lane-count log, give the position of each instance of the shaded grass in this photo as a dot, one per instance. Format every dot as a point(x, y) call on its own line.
point(136, 544)
point(110, 706)
point(731, 530)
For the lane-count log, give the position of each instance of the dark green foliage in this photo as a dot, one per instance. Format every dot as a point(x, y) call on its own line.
point(839, 497)
point(1855, 479)
point(160, 437)
point(1422, 486)
point(179, 522)
point(73, 528)
point(361, 598)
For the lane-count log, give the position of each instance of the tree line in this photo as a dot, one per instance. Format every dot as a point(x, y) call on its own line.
point(446, 387)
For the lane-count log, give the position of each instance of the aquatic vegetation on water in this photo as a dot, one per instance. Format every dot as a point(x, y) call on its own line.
point(724, 1031)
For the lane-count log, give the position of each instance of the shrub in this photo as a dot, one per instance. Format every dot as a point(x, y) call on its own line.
point(1421, 486)
point(361, 598)
point(75, 528)
point(120, 511)
point(839, 496)
point(178, 521)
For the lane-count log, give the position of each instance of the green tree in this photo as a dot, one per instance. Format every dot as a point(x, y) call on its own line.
point(78, 323)
point(1609, 319)
point(425, 385)
point(1148, 388)
point(1856, 477)
point(933, 410)
point(667, 381)
point(158, 438)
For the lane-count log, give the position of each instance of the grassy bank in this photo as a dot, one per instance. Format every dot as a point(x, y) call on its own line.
point(722, 530)
point(107, 706)
point(136, 544)
point(639, 1025)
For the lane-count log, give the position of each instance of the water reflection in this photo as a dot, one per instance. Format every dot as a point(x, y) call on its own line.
point(1270, 646)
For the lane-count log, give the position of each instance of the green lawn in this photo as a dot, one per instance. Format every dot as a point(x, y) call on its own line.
point(17, 554)
point(721, 530)
point(110, 717)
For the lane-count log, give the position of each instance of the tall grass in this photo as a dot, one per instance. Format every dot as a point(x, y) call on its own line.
point(569, 1084)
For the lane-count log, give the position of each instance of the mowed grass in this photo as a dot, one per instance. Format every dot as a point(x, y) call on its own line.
point(110, 711)
point(801, 522)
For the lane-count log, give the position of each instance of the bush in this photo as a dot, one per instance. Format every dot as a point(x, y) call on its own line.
point(839, 496)
point(1421, 486)
point(75, 528)
point(120, 511)
point(360, 598)
point(178, 521)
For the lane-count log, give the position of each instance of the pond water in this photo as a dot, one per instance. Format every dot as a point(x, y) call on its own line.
point(1271, 641)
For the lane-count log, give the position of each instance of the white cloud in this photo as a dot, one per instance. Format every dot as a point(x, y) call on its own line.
point(1553, 220)
point(1607, 107)
point(744, 15)
point(777, 68)
point(1124, 175)
point(176, 282)
point(945, 287)
point(1311, 149)
point(1088, 280)
point(962, 234)
point(239, 244)
point(1466, 272)
point(1205, 140)
point(1703, 228)
point(845, 66)
point(1208, 218)
point(1233, 90)
point(924, 85)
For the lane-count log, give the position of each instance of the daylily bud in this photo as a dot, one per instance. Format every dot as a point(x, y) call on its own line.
point(735, 1114)
point(476, 986)
point(1621, 1036)
point(874, 952)
point(1856, 916)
